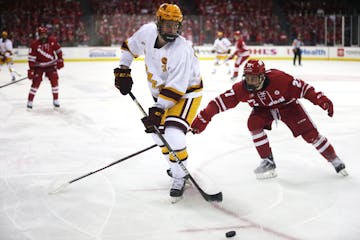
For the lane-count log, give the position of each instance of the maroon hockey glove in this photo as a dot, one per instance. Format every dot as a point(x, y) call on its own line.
point(200, 122)
point(30, 74)
point(204, 117)
point(60, 63)
point(123, 80)
point(325, 104)
point(153, 120)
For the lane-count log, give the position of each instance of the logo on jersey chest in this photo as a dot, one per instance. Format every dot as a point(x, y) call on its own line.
point(164, 64)
point(44, 53)
point(266, 99)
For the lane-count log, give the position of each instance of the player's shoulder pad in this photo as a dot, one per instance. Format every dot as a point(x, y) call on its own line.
point(151, 26)
point(34, 43)
point(52, 39)
point(278, 74)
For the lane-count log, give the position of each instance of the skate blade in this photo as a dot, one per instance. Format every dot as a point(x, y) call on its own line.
point(344, 172)
point(266, 175)
point(56, 108)
point(174, 200)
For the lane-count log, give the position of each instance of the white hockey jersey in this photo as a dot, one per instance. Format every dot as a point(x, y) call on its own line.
point(222, 45)
point(173, 70)
point(6, 47)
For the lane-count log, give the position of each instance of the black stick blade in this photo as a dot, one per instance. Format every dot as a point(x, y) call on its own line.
point(218, 197)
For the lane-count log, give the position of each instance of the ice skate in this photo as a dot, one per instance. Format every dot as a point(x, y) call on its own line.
point(29, 105)
point(266, 169)
point(169, 173)
point(177, 189)
point(56, 104)
point(339, 166)
point(233, 78)
point(13, 78)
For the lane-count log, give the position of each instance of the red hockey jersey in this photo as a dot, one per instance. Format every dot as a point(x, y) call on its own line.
point(44, 54)
point(279, 90)
point(240, 46)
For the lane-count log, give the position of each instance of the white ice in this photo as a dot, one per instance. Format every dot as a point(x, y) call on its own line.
point(96, 125)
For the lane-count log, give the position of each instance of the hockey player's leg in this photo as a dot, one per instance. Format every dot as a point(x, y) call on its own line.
point(176, 139)
point(11, 70)
point(236, 71)
point(266, 169)
point(53, 77)
point(324, 147)
point(33, 89)
point(256, 124)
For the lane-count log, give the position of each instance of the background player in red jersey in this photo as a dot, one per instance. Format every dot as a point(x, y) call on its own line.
point(45, 57)
point(273, 95)
point(241, 54)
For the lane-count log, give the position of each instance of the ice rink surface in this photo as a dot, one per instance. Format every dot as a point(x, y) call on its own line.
point(96, 125)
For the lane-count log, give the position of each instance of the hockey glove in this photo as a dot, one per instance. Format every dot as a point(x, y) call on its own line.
point(200, 122)
point(123, 80)
point(60, 63)
point(325, 104)
point(153, 119)
point(30, 74)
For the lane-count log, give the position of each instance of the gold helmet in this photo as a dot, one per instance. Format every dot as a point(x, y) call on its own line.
point(220, 34)
point(4, 34)
point(168, 12)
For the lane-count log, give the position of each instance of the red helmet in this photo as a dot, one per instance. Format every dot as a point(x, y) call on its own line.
point(254, 67)
point(42, 30)
point(237, 33)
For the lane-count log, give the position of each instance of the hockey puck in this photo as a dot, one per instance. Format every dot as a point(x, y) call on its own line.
point(230, 234)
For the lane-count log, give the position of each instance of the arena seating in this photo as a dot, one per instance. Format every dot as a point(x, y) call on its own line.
point(115, 20)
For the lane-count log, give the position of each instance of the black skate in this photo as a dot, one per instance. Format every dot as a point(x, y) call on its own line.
point(29, 106)
point(56, 104)
point(177, 189)
point(266, 169)
point(339, 166)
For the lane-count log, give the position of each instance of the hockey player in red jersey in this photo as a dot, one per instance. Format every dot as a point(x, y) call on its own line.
point(241, 53)
point(45, 57)
point(273, 95)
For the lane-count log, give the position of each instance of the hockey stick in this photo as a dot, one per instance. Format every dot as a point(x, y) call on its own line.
point(14, 71)
point(208, 197)
point(64, 185)
point(21, 79)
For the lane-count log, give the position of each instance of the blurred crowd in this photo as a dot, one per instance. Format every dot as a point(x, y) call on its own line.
point(21, 18)
point(260, 21)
